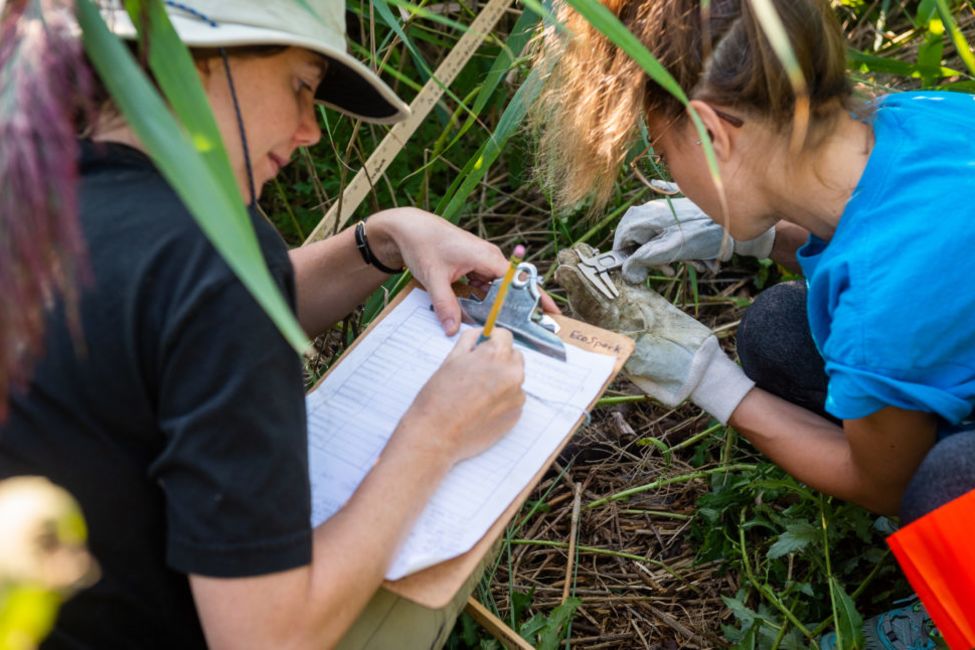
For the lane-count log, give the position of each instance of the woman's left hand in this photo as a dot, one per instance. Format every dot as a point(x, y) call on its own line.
point(438, 254)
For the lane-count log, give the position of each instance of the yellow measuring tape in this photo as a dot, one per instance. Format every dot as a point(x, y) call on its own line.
point(360, 186)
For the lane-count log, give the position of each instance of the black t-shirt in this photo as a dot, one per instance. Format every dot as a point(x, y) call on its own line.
point(176, 419)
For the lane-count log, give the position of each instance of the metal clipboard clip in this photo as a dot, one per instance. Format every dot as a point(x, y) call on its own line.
point(519, 314)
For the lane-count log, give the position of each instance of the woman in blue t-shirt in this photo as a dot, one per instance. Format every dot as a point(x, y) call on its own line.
point(860, 382)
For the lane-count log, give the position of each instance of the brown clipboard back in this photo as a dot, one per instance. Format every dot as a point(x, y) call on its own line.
point(436, 586)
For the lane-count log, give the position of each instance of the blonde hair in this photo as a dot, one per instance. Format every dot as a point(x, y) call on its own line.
point(588, 114)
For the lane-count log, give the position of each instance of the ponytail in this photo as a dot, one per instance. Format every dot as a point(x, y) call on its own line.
point(744, 72)
point(595, 96)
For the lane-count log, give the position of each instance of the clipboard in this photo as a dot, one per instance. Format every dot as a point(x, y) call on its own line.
point(435, 587)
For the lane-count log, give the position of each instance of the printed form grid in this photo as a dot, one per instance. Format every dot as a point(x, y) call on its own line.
point(353, 413)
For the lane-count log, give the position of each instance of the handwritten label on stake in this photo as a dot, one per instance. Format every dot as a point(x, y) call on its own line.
point(357, 190)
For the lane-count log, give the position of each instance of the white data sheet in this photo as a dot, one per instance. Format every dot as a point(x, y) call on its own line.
point(354, 411)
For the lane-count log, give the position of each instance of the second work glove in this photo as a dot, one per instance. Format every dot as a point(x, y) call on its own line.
point(676, 357)
point(663, 232)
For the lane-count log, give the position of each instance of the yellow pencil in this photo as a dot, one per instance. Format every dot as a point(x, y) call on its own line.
point(509, 275)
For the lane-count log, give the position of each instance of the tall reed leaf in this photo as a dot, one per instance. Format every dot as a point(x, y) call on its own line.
point(545, 11)
point(433, 16)
point(477, 167)
point(931, 49)
point(382, 8)
point(775, 32)
point(517, 40)
point(964, 49)
point(42, 81)
point(189, 155)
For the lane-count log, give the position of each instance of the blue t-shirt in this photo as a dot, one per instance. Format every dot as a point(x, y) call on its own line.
point(892, 295)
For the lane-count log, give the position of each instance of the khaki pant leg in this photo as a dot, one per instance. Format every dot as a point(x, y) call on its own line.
point(391, 622)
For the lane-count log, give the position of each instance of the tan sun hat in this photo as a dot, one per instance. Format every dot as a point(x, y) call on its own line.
point(317, 25)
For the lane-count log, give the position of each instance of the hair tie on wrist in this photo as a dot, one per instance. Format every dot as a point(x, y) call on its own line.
point(367, 255)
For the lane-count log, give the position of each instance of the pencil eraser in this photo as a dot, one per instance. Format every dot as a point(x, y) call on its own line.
point(519, 251)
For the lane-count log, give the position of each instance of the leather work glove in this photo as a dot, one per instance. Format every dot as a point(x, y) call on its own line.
point(662, 234)
point(675, 358)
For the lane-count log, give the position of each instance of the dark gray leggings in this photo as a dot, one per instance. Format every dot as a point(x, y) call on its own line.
point(778, 353)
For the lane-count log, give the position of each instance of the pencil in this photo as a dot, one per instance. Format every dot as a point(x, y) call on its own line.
point(516, 257)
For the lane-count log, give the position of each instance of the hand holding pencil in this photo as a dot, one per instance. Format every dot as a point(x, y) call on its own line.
point(473, 399)
point(517, 256)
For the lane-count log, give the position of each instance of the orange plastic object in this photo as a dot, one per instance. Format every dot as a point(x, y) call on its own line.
point(937, 554)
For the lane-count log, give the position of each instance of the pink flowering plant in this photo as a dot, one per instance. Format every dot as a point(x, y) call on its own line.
point(43, 83)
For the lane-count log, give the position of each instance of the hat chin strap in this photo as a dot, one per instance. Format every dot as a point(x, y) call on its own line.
point(233, 94)
point(240, 127)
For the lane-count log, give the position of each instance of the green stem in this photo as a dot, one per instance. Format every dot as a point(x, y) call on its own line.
point(696, 437)
point(829, 573)
point(767, 593)
point(623, 399)
point(657, 513)
point(683, 478)
point(874, 572)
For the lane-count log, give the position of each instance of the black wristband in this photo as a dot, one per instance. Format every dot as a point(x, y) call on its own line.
point(367, 255)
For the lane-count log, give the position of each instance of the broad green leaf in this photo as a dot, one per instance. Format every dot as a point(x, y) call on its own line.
point(555, 624)
point(469, 629)
point(744, 614)
point(520, 602)
point(961, 86)
point(891, 66)
point(796, 537)
point(529, 629)
point(849, 623)
point(187, 155)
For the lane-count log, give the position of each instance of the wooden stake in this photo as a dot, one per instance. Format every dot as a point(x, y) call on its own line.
point(573, 533)
point(495, 626)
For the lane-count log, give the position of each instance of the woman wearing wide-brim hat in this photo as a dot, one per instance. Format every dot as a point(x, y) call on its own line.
point(178, 418)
